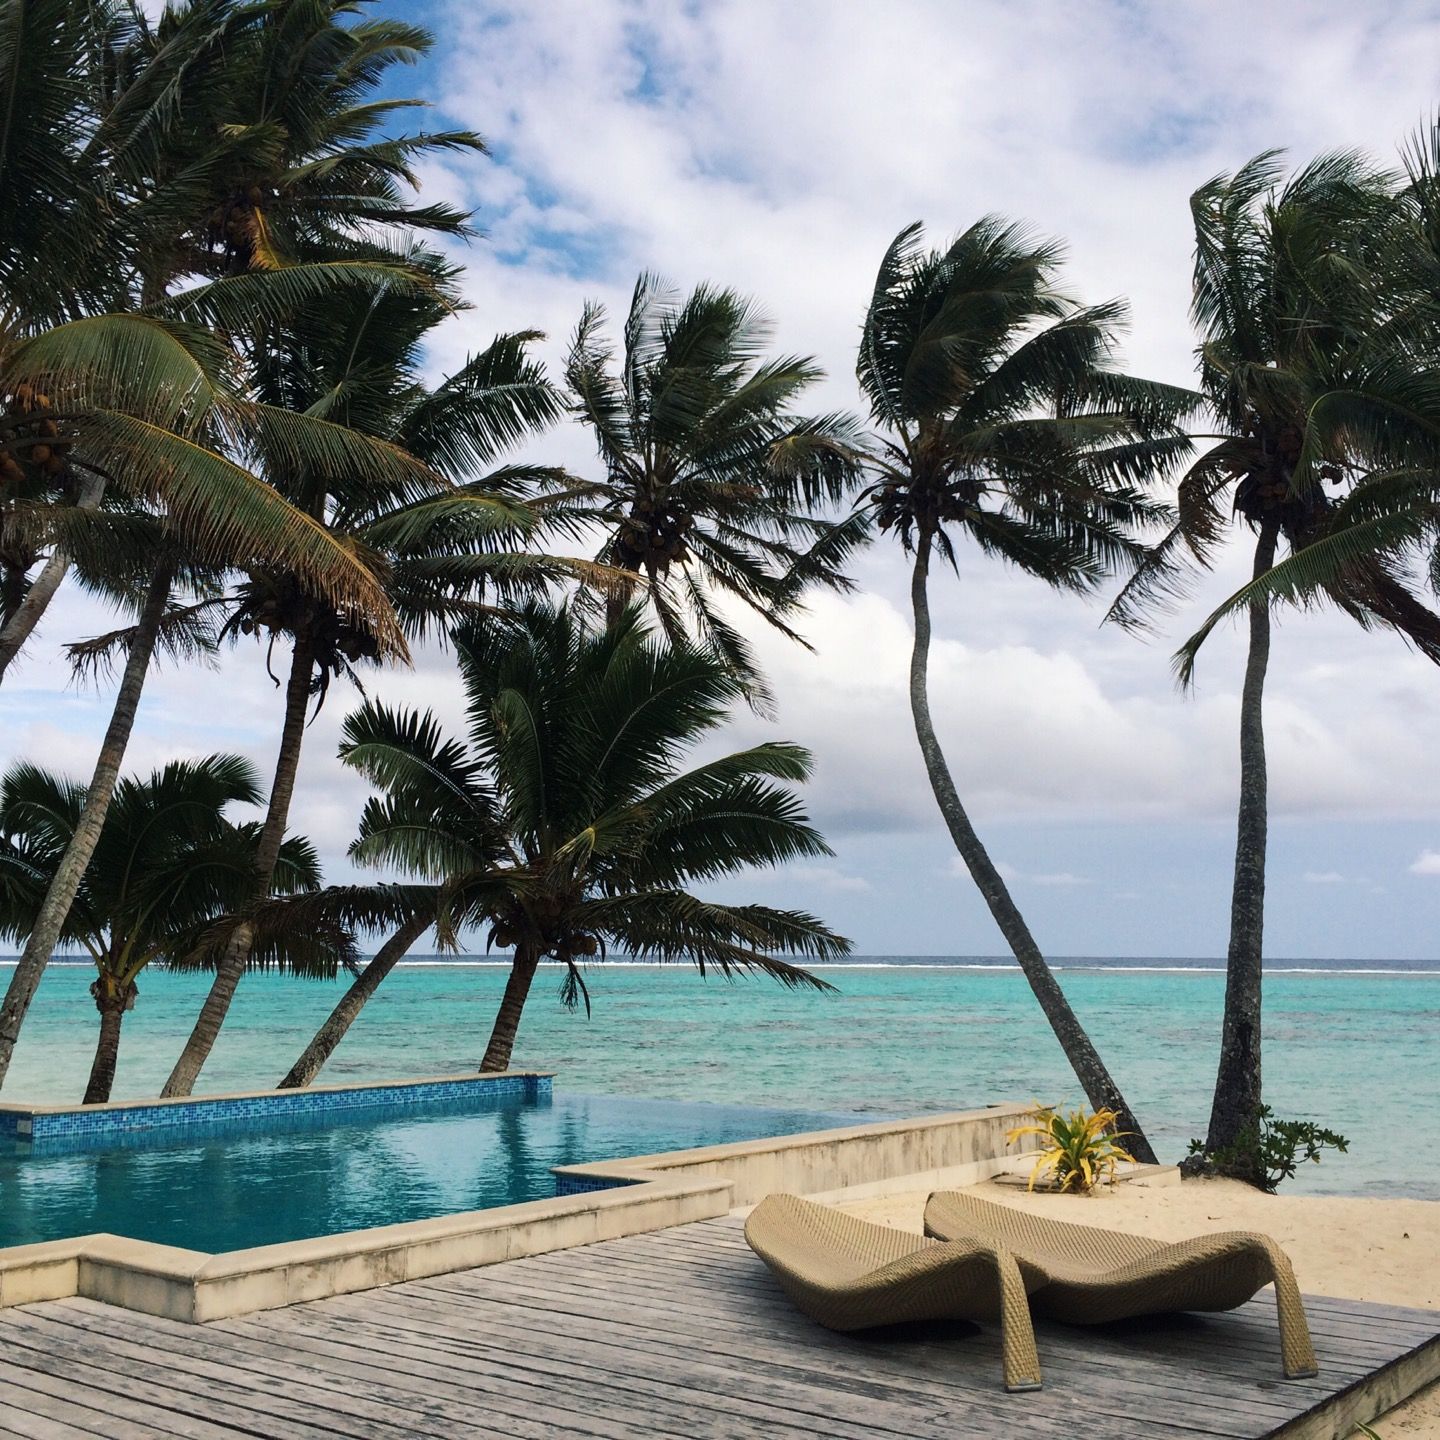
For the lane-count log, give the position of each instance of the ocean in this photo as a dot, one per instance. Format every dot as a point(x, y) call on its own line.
point(1353, 1045)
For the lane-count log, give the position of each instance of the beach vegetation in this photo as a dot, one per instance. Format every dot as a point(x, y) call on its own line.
point(168, 868)
point(568, 829)
point(1315, 399)
point(1080, 1150)
point(1006, 433)
point(1268, 1151)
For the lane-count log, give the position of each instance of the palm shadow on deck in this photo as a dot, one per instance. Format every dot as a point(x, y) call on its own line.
point(680, 1333)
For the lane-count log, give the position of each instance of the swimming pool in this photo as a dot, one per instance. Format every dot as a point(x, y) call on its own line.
point(239, 1185)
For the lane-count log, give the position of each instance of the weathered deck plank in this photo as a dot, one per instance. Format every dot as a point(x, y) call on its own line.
point(680, 1335)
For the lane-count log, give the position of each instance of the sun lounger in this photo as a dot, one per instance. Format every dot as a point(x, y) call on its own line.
point(849, 1274)
point(1088, 1276)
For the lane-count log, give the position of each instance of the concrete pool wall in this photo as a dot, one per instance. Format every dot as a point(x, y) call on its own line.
point(610, 1199)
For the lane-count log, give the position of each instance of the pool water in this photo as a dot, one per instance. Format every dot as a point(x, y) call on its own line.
point(242, 1185)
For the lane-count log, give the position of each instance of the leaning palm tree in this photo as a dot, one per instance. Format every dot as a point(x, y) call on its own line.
point(712, 474)
point(223, 140)
point(1309, 371)
point(265, 116)
point(569, 828)
point(208, 511)
point(1003, 422)
point(167, 866)
point(444, 544)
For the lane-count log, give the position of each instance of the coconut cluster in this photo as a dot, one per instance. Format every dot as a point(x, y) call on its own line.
point(1267, 487)
point(283, 607)
point(932, 505)
point(231, 226)
point(585, 946)
point(654, 533)
point(34, 442)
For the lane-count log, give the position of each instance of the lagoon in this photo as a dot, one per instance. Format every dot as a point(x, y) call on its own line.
point(1351, 1045)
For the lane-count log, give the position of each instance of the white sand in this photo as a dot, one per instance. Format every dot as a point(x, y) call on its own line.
point(1382, 1250)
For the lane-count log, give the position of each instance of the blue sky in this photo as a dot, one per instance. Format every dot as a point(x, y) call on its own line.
point(777, 148)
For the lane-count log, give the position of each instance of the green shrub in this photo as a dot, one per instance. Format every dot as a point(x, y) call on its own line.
point(1270, 1150)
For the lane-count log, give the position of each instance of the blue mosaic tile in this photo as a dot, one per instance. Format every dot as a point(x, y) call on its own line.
point(586, 1185)
point(207, 1112)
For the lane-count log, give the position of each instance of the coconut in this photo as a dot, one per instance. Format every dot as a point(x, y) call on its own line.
point(39, 454)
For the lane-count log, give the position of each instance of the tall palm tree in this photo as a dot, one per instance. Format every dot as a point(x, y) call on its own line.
point(1311, 384)
point(211, 513)
point(443, 544)
point(269, 113)
point(569, 829)
point(712, 474)
point(168, 864)
point(136, 154)
point(1003, 422)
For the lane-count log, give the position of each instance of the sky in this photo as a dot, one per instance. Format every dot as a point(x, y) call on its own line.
point(778, 148)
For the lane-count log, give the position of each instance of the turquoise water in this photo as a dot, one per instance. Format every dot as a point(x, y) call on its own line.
point(248, 1185)
point(1359, 1052)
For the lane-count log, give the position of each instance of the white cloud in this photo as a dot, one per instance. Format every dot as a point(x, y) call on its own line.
point(1323, 877)
point(1428, 863)
point(778, 149)
point(1013, 875)
point(824, 877)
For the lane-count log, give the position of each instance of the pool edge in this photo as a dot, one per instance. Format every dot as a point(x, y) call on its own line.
point(642, 1194)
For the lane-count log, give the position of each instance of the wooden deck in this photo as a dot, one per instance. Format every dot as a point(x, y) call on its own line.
point(679, 1334)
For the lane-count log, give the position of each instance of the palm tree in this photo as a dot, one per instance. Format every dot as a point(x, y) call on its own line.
point(569, 829)
point(404, 913)
point(711, 474)
point(177, 136)
point(443, 544)
point(211, 513)
point(133, 154)
point(168, 865)
point(176, 118)
point(1311, 384)
point(1003, 422)
point(222, 139)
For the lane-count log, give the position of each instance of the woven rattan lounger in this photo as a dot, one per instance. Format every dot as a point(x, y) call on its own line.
point(1086, 1276)
point(850, 1274)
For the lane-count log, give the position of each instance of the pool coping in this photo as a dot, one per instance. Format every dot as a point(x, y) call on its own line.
point(38, 1122)
point(630, 1196)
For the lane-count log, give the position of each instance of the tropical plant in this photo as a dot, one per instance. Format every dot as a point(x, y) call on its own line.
point(1310, 385)
point(204, 512)
point(1273, 1150)
point(167, 866)
point(712, 476)
point(178, 115)
point(442, 545)
point(404, 913)
point(1003, 422)
point(1080, 1151)
point(568, 829)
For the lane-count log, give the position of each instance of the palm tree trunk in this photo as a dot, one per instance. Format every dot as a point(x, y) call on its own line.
point(333, 1031)
point(55, 909)
point(267, 853)
point(26, 616)
point(507, 1020)
point(1234, 1111)
point(1095, 1079)
point(111, 1005)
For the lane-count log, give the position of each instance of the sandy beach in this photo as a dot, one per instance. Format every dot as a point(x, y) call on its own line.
point(1381, 1250)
